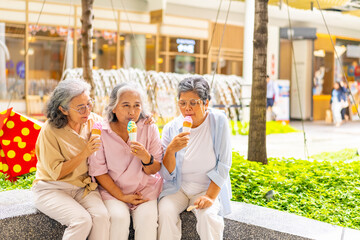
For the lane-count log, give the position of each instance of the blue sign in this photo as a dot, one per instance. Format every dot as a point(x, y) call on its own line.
point(20, 69)
point(10, 64)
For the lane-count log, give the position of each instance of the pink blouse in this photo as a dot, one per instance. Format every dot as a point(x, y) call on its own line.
point(115, 158)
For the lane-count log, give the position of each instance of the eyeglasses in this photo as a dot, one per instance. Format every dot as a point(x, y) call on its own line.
point(82, 110)
point(192, 102)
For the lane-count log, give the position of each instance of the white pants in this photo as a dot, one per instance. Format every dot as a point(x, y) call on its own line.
point(144, 220)
point(209, 224)
point(336, 111)
point(84, 217)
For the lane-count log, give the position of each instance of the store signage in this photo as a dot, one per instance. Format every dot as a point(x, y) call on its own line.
point(185, 45)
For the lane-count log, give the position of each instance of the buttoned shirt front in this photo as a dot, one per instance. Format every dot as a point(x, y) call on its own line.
point(55, 146)
point(126, 170)
point(220, 134)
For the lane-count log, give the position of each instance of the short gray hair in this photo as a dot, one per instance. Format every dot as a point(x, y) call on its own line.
point(196, 84)
point(64, 92)
point(115, 97)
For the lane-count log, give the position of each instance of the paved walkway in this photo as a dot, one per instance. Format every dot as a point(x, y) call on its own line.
point(321, 137)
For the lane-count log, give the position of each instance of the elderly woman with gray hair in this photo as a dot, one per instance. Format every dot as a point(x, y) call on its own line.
point(127, 170)
point(63, 189)
point(196, 165)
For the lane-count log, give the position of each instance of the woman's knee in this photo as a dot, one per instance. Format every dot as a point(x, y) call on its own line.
point(101, 215)
point(167, 212)
point(120, 218)
point(84, 219)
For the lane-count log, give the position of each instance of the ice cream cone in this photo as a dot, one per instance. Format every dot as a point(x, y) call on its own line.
point(187, 124)
point(132, 131)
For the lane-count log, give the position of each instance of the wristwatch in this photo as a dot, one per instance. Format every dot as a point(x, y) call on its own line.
point(151, 161)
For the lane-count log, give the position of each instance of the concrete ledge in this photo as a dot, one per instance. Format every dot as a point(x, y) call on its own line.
point(19, 219)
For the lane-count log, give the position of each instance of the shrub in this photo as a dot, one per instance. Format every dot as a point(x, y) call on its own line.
point(324, 189)
point(272, 127)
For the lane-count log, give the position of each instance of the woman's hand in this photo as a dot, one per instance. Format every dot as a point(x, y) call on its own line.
point(149, 119)
point(179, 142)
point(138, 150)
point(204, 202)
point(92, 146)
point(134, 199)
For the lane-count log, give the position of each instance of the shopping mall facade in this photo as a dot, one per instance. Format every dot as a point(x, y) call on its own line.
point(175, 36)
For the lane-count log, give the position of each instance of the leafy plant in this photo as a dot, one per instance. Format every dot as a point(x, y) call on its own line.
point(23, 182)
point(272, 127)
point(324, 189)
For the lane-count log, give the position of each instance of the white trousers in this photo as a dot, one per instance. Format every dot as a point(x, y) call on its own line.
point(144, 220)
point(209, 226)
point(84, 217)
point(336, 110)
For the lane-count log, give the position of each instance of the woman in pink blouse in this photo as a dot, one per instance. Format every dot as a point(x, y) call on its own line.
point(127, 172)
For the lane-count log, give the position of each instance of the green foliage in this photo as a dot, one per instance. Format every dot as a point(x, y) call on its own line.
point(272, 127)
point(23, 182)
point(325, 189)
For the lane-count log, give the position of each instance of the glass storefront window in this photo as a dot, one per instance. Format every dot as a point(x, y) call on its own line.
point(349, 53)
point(150, 52)
point(161, 62)
point(47, 51)
point(104, 50)
point(138, 51)
point(12, 65)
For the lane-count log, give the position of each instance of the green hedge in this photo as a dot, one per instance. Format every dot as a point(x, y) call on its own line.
point(272, 127)
point(325, 189)
point(23, 182)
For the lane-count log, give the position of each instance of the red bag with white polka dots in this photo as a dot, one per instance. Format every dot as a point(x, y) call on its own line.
point(18, 135)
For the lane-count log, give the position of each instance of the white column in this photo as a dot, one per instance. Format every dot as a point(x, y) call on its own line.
point(69, 52)
point(303, 51)
point(127, 51)
point(3, 87)
point(138, 51)
point(248, 40)
point(273, 52)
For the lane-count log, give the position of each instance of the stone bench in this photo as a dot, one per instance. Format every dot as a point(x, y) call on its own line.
point(19, 219)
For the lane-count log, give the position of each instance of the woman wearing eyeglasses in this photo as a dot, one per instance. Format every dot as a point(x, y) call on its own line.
point(63, 189)
point(127, 170)
point(195, 165)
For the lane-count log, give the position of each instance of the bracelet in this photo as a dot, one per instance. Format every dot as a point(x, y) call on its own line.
point(151, 161)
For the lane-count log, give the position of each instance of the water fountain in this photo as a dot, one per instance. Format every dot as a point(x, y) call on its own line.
point(230, 93)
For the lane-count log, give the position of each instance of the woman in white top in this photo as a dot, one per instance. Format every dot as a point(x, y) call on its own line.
point(195, 165)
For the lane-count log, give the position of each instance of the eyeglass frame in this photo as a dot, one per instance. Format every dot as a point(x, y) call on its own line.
point(197, 101)
point(89, 106)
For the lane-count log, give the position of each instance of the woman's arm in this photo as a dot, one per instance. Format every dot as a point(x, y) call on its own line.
point(208, 199)
point(179, 142)
point(108, 184)
point(69, 166)
point(138, 150)
point(153, 168)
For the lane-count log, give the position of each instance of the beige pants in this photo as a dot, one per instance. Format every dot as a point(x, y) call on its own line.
point(84, 217)
point(209, 226)
point(144, 220)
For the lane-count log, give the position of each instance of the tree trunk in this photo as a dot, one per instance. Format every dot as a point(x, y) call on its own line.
point(257, 131)
point(86, 42)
